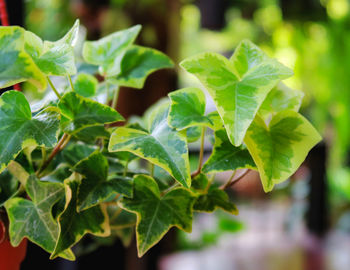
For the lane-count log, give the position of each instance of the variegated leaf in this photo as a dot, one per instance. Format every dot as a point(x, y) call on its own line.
point(160, 145)
point(226, 157)
point(238, 86)
point(33, 218)
point(19, 129)
point(74, 225)
point(79, 112)
point(16, 65)
point(187, 109)
point(279, 148)
point(108, 52)
point(156, 214)
point(95, 187)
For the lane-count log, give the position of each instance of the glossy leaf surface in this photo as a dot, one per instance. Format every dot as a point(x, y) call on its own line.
point(16, 65)
point(156, 214)
point(79, 112)
point(281, 98)
point(33, 219)
point(238, 86)
point(187, 109)
point(19, 129)
point(138, 63)
point(226, 157)
point(161, 145)
point(74, 225)
point(108, 52)
point(94, 187)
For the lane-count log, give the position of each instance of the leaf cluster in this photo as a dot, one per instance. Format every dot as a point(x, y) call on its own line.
point(66, 171)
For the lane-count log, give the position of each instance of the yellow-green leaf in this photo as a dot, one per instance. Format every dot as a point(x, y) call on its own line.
point(16, 65)
point(239, 85)
point(108, 52)
point(79, 112)
point(187, 109)
point(160, 145)
point(279, 148)
point(33, 218)
point(138, 63)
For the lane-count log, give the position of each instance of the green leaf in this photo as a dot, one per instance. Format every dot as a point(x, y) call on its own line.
point(51, 58)
point(91, 134)
point(74, 225)
point(187, 109)
point(213, 199)
point(8, 187)
point(70, 38)
point(281, 98)
point(108, 52)
point(156, 214)
point(74, 153)
point(238, 86)
point(226, 157)
point(19, 129)
point(193, 133)
point(161, 145)
point(95, 188)
point(79, 112)
point(200, 183)
point(15, 64)
point(85, 85)
point(280, 148)
point(119, 218)
point(33, 219)
point(138, 63)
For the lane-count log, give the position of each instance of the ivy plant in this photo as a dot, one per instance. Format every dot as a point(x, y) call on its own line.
point(66, 167)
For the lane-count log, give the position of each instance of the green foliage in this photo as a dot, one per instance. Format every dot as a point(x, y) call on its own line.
point(16, 65)
point(79, 112)
point(188, 110)
point(85, 85)
point(33, 218)
point(20, 130)
point(279, 148)
point(138, 63)
point(226, 157)
point(239, 85)
point(156, 214)
point(94, 179)
point(108, 52)
point(160, 145)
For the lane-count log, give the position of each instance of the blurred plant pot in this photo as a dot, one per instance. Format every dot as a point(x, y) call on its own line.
point(10, 257)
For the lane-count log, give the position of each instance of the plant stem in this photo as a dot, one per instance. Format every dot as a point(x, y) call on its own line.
point(201, 151)
point(152, 170)
point(60, 145)
point(54, 88)
point(169, 188)
point(70, 82)
point(115, 98)
point(126, 168)
point(43, 158)
point(231, 182)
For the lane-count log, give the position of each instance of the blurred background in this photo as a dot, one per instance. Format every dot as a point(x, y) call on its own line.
point(305, 222)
